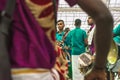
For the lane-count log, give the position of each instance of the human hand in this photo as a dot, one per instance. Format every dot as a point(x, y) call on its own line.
point(96, 74)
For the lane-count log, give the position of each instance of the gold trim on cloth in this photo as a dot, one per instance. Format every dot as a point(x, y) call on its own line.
point(27, 70)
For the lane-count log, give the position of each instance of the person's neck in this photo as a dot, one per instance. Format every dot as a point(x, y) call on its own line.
point(77, 26)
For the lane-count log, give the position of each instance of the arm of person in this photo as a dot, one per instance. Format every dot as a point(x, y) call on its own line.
point(85, 38)
point(86, 41)
point(104, 24)
point(103, 35)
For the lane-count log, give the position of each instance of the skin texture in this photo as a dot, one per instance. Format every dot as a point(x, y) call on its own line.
point(103, 35)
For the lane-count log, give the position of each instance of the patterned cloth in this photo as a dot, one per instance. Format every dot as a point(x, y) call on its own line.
point(33, 35)
point(61, 63)
point(91, 39)
point(34, 74)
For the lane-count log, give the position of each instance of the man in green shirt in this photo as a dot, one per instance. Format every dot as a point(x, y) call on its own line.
point(60, 33)
point(78, 41)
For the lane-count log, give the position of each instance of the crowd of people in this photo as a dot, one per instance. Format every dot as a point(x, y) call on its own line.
point(75, 43)
point(33, 53)
point(79, 41)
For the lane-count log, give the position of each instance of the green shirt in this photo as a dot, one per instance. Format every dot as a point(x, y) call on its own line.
point(59, 36)
point(76, 38)
point(116, 33)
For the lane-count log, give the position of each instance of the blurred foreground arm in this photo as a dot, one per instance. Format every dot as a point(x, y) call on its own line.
point(104, 24)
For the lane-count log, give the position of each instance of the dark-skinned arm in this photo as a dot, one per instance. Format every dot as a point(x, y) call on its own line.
point(104, 24)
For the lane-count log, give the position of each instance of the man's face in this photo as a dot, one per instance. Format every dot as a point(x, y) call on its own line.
point(60, 25)
point(90, 21)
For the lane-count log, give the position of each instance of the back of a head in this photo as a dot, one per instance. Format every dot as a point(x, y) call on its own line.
point(77, 22)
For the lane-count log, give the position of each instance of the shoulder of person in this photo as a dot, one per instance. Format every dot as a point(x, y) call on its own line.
point(83, 30)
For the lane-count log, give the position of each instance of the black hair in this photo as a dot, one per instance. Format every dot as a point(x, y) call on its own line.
point(77, 22)
point(60, 21)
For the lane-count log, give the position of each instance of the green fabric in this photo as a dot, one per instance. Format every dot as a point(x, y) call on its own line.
point(116, 33)
point(59, 36)
point(76, 38)
point(70, 71)
point(117, 39)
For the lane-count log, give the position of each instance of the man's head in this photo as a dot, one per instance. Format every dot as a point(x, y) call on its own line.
point(60, 24)
point(90, 20)
point(77, 22)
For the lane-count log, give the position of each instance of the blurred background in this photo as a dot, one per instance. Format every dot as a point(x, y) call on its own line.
point(69, 14)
